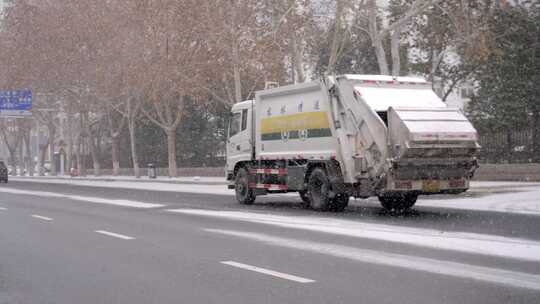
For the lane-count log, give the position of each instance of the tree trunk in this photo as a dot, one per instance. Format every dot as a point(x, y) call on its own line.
point(52, 134)
point(78, 143)
point(133, 145)
point(297, 60)
point(394, 48)
point(236, 72)
point(376, 39)
point(536, 137)
point(235, 52)
point(171, 151)
point(380, 53)
point(82, 153)
point(69, 141)
point(115, 161)
point(95, 156)
point(29, 162)
point(21, 158)
point(337, 39)
point(13, 161)
point(43, 154)
point(69, 154)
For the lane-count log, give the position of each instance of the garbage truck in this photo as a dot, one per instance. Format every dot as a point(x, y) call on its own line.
point(350, 136)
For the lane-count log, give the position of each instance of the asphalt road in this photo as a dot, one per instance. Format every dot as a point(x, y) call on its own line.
point(67, 250)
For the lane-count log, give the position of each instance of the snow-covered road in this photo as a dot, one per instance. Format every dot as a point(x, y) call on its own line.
point(486, 240)
point(508, 197)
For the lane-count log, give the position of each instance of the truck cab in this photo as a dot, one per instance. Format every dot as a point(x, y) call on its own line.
point(240, 136)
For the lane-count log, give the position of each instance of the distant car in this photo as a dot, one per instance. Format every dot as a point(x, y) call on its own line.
point(3, 172)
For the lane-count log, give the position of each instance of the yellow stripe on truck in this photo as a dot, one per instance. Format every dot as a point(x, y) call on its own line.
point(295, 122)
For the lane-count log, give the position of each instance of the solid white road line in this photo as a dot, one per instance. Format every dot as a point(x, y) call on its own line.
point(474, 243)
point(269, 272)
point(414, 263)
point(116, 235)
point(42, 217)
point(96, 200)
point(3, 209)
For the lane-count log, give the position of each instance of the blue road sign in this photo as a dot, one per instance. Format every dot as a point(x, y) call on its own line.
point(19, 100)
point(15, 102)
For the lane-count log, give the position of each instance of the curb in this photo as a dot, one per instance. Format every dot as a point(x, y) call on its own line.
point(104, 179)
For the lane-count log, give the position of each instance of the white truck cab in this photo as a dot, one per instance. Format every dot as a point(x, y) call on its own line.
point(240, 137)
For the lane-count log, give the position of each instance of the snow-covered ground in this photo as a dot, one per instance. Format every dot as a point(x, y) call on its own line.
point(508, 197)
point(523, 201)
point(474, 243)
point(125, 178)
point(88, 199)
point(188, 185)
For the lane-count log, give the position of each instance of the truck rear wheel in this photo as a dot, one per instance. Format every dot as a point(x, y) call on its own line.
point(339, 203)
point(244, 194)
point(305, 197)
point(319, 190)
point(398, 202)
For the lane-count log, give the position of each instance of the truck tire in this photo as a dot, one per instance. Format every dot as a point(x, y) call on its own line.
point(319, 190)
point(244, 194)
point(339, 203)
point(398, 202)
point(305, 197)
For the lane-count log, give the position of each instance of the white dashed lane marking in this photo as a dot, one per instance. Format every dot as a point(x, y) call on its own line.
point(116, 235)
point(413, 263)
point(269, 272)
point(42, 217)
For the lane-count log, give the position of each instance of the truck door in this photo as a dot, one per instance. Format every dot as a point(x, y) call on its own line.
point(238, 145)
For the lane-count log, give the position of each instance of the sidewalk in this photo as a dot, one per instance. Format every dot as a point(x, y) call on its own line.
point(218, 180)
point(196, 180)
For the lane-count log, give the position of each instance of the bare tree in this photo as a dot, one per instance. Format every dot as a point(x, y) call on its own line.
point(48, 118)
point(10, 134)
point(339, 34)
point(378, 31)
point(174, 45)
point(25, 126)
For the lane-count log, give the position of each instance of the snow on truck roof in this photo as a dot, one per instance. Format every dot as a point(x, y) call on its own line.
point(385, 78)
point(382, 98)
point(381, 92)
point(246, 104)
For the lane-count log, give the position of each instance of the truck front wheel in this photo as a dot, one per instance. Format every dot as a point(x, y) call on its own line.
point(244, 194)
point(398, 202)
